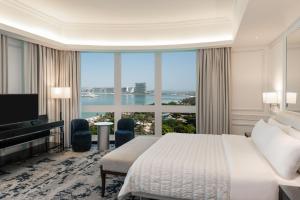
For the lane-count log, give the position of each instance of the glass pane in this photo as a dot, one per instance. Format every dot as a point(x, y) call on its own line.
point(97, 78)
point(137, 78)
point(178, 78)
point(93, 117)
point(178, 123)
point(144, 122)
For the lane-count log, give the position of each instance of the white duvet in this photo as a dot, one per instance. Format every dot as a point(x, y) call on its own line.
point(184, 166)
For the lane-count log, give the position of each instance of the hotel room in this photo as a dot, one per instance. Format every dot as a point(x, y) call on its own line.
point(161, 99)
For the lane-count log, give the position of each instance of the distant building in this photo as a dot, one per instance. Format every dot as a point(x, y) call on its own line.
point(109, 90)
point(140, 88)
point(130, 89)
point(124, 90)
point(127, 89)
point(97, 90)
point(102, 90)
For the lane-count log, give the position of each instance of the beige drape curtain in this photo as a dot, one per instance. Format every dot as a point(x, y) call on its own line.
point(48, 62)
point(213, 111)
point(44, 68)
point(70, 77)
point(59, 68)
point(3, 65)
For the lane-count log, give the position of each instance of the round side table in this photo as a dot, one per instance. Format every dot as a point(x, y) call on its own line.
point(103, 130)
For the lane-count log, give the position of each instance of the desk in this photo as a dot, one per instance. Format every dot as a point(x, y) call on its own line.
point(103, 129)
point(21, 140)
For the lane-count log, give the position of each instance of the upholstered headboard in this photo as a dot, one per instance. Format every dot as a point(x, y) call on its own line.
point(288, 118)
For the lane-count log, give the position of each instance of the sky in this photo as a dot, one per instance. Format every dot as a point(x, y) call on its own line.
point(178, 70)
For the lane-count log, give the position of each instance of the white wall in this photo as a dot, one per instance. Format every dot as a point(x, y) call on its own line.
point(249, 80)
point(15, 66)
point(254, 71)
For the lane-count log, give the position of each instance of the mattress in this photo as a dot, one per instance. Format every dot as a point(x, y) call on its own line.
point(249, 174)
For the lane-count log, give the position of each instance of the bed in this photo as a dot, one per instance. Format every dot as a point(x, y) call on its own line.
point(183, 166)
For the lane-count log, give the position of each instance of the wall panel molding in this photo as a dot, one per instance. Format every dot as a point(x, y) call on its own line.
point(247, 88)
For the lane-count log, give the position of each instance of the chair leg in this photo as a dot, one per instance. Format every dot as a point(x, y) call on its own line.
point(103, 177)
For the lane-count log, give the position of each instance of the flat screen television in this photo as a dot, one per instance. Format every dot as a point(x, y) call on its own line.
point(15, 108)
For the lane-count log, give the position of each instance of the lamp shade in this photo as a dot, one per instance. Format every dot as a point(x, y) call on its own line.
point(291, 97)
point(60, 92)
point(270, 98)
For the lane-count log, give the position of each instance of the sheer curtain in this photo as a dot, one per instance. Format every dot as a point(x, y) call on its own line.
point(30, 68)
point(69, 76)
point(3, 65)
point(46, 67)
point(48, 76)
point(57, 69)
point(213, 111)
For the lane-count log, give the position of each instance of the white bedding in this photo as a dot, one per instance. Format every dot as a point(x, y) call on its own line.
point(251, 175)
point(164, 171)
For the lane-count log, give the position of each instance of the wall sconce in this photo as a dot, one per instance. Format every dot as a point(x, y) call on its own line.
point(291, 98)
point(272, 98)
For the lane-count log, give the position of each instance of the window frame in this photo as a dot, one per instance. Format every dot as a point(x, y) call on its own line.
point(158, 109)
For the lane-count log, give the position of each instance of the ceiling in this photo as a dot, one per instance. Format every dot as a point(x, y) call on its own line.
point(131, 11)
point(123, 24)
point(265, 20)
point(293, 38)
point(144, 24)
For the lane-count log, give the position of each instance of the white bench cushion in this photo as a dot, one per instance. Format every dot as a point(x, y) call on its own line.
point(120, 159)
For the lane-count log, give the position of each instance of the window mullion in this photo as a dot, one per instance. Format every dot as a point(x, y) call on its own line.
point(118, 76)
point(157, 93)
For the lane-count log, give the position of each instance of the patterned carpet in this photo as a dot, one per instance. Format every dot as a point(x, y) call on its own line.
point(57, 176)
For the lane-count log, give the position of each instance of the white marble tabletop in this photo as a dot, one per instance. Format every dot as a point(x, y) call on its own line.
point(104, 123)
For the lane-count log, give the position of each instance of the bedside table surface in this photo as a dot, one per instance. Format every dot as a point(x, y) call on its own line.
point(292, 192)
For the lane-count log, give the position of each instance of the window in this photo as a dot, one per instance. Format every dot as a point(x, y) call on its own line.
point(178, 123)
point(137, 78)
point(97, 78)
point(156, 89)
point(178, 78)
point(144, 122)
point(97, 88)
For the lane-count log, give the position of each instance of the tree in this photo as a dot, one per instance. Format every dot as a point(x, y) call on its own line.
point(189, 101)
point(171, 103)
point(166, 129)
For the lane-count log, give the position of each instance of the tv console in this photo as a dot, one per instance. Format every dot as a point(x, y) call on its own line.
point(21, 140)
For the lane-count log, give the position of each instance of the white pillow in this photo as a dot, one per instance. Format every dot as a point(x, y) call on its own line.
point(280, 149)
point(285, 128)
point(261, 134)
point(294, 133)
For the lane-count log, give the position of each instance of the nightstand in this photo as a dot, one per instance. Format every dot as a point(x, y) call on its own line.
point(247, 134)
point(289, 192)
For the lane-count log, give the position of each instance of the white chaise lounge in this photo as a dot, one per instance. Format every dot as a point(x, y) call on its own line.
point(119, 160)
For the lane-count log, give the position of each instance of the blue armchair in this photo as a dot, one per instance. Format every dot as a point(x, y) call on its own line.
point(125, 131)
point(81, 138)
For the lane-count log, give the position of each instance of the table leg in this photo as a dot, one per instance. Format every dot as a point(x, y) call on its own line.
point(98, 135)
point(62, 140)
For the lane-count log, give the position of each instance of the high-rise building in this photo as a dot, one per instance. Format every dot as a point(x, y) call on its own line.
point(124, 89)
point(130, 89)
point(140, 88)
point(127, 89)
